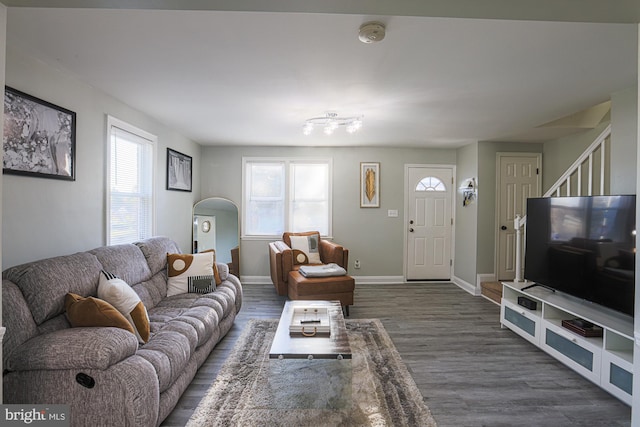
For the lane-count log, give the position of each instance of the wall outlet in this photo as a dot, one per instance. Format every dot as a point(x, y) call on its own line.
point(356, 264)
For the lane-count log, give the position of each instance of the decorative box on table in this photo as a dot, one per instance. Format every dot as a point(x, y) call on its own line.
point(310, 322)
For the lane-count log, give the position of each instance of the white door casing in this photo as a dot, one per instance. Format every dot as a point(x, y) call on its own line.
point(430, 192)
point(519, 177)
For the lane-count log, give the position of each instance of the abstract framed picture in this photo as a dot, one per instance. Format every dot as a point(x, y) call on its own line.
point(369, 185)
point(39, 137)
point(179, 171)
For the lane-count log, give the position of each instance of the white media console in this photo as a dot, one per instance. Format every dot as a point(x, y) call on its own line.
point(606, 360)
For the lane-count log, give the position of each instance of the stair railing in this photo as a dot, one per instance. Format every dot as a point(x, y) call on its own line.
point(587, 159)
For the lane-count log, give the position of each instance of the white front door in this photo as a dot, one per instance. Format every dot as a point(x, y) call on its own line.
point(429, 222)
point(518, 179)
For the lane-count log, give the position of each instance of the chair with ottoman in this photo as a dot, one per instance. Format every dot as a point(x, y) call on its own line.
point(306, 267)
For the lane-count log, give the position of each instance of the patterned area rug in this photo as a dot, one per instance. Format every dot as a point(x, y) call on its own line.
point(246, 392)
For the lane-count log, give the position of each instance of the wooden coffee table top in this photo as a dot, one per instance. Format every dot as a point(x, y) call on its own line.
point(336, 346)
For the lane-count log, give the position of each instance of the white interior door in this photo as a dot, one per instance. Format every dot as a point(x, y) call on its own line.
point(205, 232)
point(518, 179)
point(429, 223)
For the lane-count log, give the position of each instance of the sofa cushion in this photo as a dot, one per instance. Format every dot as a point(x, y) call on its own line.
point(181, 267)
point(155, 251)
point(94, 312)
point(151, 292)
point(119, 294)
point(125, 261)
point(45, 283)
point(169, 351)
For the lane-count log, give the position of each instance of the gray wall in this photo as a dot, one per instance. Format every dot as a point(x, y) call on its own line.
point(466, 221)
point(559, 154)
point(45, 217)
point(624, 114)
point(369, 234)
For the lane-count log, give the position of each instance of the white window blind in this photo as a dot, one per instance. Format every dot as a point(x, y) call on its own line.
point(286, 195)
point(131, 198)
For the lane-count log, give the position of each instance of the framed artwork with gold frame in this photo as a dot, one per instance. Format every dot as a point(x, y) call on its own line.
point(369, 184)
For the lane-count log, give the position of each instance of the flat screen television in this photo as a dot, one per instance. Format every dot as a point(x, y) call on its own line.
point(584, 246)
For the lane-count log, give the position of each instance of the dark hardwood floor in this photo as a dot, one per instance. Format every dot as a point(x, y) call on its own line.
point(469, 370)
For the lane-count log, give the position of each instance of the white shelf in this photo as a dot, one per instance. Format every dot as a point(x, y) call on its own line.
point(606, 360)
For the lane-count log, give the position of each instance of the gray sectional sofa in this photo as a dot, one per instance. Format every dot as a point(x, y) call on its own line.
point(106, 377)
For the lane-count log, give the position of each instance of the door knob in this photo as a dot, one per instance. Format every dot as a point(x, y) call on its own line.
point(504, 227)
point(411, 230)
point(410, 221)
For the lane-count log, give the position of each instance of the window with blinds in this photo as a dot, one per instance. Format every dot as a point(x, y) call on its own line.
point(131, 189)
point(286, 195)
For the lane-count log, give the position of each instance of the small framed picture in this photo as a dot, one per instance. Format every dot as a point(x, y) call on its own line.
point(369, 185)
point(179, 171)
point(39, 137)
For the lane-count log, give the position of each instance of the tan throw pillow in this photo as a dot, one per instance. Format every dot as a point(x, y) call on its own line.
point(119, 294)
point(309, 246)
point(92, 312)
point(216, 274)
point(181, 267)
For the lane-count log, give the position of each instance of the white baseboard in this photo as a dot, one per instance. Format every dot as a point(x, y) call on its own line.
point(256, 280)
point(464, 285)
point(378, 280)
point(364, 280)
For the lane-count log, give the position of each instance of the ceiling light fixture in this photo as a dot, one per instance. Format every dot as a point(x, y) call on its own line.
point(330, 122)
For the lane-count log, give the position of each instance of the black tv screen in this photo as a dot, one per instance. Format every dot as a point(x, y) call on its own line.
point(584, 246)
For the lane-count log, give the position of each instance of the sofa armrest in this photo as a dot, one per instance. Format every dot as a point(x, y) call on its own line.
point(280, 264)
point(333, 252)
point(223, 270)
point(73, 348)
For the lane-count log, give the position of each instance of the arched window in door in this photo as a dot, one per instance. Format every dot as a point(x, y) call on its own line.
point(431, 183)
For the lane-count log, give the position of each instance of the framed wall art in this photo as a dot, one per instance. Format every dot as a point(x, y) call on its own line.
point(39, 137)
point(179, 171)
point(369, 185)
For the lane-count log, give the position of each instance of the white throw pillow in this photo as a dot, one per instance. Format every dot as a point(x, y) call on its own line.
point(310, 245)
point(119, 294)
point(180, 267)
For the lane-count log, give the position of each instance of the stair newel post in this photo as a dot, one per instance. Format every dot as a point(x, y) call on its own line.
point(517, 226)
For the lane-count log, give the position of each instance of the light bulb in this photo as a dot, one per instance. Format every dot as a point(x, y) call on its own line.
point(307, 129)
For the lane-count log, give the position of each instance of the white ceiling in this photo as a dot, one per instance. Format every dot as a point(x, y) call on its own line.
point(253, 77)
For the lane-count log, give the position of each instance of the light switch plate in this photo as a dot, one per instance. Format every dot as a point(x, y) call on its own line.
point(392, 213)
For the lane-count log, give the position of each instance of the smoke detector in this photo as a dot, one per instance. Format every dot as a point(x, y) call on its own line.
point(371, 32)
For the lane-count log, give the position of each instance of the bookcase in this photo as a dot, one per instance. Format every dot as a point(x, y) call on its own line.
point(606, 360)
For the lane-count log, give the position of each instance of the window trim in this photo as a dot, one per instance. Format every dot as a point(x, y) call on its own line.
point(153, 139)
point(287, 191)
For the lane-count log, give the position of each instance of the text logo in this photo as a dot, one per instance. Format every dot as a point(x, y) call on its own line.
point(35, 415)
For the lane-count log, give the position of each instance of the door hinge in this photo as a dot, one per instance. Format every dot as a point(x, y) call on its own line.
point(537, 171)
point(450, 263)
point(451, 221)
